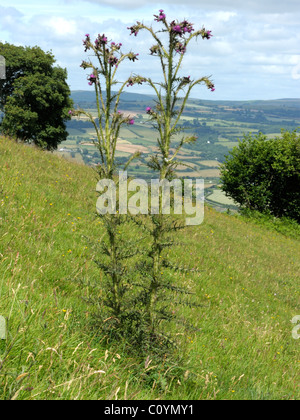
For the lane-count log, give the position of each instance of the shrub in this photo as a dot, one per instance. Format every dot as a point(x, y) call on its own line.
point(264, 175)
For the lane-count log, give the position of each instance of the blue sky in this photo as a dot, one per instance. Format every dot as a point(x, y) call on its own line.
point(254, 52)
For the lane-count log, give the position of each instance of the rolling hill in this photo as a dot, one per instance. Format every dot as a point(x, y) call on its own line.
point(237, 344)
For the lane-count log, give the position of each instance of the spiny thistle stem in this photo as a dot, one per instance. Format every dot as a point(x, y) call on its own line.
point(107, 130)
point(179, 34)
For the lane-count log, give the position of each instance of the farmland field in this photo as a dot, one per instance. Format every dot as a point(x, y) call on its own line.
point(219, 197)
point(218, 125)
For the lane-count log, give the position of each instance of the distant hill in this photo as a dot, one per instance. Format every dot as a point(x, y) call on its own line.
point(86, 96)
point(287, 102)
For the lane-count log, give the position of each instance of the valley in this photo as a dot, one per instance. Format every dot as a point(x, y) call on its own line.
point(217, 124)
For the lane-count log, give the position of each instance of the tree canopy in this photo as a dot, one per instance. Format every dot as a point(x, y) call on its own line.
point(35, 96)
point(264, 174)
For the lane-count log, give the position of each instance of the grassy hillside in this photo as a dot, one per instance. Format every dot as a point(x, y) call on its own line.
point(240, 345)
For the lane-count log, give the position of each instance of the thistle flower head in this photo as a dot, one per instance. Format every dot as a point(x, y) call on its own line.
point(130, 82)
point(86, 42)
point(135, 28)
point(92, 79)
point(210, 86)
point(154, 49)
point(160, 17)
point(133, 57)
point(101, 40)
point(204, 33)
point(181, 28)
point(112, 60)
point(136, 79)
point(208, 35)
point(115, 47)
point(180, 48)
point(187, 79)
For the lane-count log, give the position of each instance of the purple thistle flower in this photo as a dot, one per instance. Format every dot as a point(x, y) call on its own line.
point(148, 109)
point(92, 79)
point(115, 46)
point(101, 40)
point(131, 122)
point(206, 34)
point(134, 29)
point(181, 28)
point(211, 86)
point(180, 48)
point(187, 26)
point(86, 41)
point(177, 28)
point(130, 82)
point(112, 60)
point(136, 79)
point(160, 17)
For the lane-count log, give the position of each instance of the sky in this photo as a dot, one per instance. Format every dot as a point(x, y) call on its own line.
point(254, 52)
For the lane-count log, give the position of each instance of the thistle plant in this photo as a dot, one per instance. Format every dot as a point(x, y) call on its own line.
point(165, 118)
point(114, 250)
point(169, 105)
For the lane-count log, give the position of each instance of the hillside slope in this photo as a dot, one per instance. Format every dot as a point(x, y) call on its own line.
point(240, 346)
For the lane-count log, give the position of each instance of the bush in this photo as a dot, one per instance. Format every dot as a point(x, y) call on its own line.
point(264, 175)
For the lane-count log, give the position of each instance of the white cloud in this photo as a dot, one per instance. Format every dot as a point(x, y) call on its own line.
point(254, 51)
point(62, 26)
point(222, 16)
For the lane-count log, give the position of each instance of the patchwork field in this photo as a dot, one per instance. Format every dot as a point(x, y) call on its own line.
point(218, 125)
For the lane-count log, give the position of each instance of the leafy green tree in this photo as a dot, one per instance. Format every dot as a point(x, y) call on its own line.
point(35, 97)
point(264, 175)
point(22, 61)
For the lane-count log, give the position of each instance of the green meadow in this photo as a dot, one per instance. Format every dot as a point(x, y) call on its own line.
point(235, 343)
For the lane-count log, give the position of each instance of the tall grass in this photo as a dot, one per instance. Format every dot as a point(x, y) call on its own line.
point(237, 343)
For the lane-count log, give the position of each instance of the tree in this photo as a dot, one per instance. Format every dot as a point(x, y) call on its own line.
point(264, 175)
point(22, 61)
point(35, 97)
